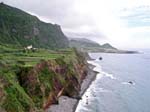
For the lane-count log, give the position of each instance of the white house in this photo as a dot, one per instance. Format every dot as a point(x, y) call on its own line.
point(29, 47)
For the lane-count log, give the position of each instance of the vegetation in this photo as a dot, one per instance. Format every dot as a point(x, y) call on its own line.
point(33, 80)
point(36, 65)
point(91, 46)
point(86, 45)
point(20, 28)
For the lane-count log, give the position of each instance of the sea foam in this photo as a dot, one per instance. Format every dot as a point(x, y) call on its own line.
point(88, 95)
point(98, 69)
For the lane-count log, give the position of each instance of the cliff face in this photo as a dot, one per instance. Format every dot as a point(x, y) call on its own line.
point(20, 28)
point(35, 88)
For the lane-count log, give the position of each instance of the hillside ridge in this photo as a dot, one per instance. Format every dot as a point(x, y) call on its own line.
point(19, 28)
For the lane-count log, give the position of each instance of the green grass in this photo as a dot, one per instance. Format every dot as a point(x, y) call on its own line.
point(16, 98)
point(11, 56)
point(15, 63)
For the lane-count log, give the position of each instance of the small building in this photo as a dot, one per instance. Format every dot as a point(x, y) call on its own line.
point(29, 47)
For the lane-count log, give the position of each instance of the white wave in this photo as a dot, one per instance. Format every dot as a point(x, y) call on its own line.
point(98, 68)
point(110, 76)
point(83, 102)
point(95, 64)
point(97, 60)
point(104, 90)
point(127, 83)
point(99, 76)
point(91, 91)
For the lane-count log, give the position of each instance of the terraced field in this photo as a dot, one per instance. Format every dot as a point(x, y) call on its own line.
point(34, 79)
point(10, 55)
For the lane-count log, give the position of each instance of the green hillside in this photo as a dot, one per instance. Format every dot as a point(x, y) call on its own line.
point(31, 81)
point(81, 43)
point(86, 45)
point(91, 46)
point(22, 29)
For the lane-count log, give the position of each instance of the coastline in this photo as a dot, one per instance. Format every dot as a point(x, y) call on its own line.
point(87, 82)
point(67, 104)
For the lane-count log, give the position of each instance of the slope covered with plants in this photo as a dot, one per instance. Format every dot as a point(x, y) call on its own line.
point(22, 29)
point(31, 81)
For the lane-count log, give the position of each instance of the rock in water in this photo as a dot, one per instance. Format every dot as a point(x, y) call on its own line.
point(100, 58)
point(130, 82)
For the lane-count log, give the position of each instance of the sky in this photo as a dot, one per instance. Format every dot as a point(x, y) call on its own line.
point(123, 23)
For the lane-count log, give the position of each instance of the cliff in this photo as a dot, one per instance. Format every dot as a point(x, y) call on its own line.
point(22, 29)
point(34, 85)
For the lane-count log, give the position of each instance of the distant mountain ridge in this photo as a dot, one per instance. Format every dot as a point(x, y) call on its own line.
point(91, 46)
point(86, 44)
point(78, 42)
point(107, 46)
point(20, 28)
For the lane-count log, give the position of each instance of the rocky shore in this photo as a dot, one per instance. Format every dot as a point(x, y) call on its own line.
point(67, 104)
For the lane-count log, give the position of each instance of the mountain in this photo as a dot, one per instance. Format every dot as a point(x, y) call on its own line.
point(81, 42)
point(22, 29)
point(107, 46)
point(91, 46)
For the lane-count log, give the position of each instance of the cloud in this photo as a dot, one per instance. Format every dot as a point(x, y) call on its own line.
point(137, 22)
point(137, 16)
point(63, 12)
point(54, 10)
point(115, 21)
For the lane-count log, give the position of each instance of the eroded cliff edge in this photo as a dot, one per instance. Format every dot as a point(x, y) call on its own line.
point(36, 88)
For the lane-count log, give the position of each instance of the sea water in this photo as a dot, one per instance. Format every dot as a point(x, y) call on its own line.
point(111, 91)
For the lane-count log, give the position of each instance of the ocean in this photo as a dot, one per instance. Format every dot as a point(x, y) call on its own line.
point(111, 91)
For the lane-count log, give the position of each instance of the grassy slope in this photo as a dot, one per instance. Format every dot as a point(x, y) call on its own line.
point(12, 56)
point(29, 80)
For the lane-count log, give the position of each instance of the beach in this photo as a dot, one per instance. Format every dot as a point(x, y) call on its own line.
point(67, 104)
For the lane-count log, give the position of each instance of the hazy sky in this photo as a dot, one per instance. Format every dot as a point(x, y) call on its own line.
point(123, 23)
